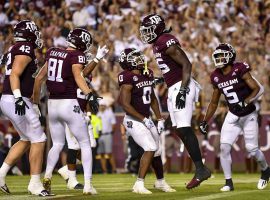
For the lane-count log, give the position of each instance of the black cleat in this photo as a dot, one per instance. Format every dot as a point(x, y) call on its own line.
point(5, 189)
point(200, 176)
point(79, 186)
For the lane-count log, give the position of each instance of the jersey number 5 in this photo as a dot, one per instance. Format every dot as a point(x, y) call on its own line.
point(231, 96)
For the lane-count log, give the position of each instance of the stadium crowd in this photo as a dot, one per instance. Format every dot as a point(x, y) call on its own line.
point(199, 26)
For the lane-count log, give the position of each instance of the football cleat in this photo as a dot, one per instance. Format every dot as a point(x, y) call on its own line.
point(38, 190)
point(200, 176)
point(5, 189)
point(163, 186)
point(226, 188)
point(89, 190)
point(140, 189)
point(262, 183)
point(47, 184)
point(74, 185)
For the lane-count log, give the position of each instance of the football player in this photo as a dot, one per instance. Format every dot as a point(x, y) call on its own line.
point(240, 89)
point(68, 172)
point(183, 90)
point(16, 105)
point(137, 97)
point(63, 71)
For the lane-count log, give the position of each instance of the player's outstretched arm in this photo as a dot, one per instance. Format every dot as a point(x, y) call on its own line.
point(125, 99)
point(212, 107)
point(81, 83)
point(40, 78)
point(179, 56)
point(257, 90)
point(155, 106)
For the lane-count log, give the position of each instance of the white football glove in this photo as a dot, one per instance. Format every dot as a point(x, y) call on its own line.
point(36, 109)
point(160, 126)
point(148, 123)
point(93, 142)
point(101, 52)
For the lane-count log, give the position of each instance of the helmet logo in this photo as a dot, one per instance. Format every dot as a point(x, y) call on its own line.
point(85, 37)
point(31, 26)
point(155, 19)
point(122, 57)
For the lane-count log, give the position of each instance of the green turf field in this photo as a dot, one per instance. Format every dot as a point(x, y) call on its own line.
point(119, 186)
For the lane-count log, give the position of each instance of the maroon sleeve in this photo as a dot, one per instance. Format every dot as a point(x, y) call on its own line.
point(124, 78)
point(77, 57)
point(165, 41)
point(243, 68)
point(24, 48)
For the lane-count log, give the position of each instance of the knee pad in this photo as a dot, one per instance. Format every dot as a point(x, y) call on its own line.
point(225, 149)
point(252, 149)
point(58, 146)
point(72, 156)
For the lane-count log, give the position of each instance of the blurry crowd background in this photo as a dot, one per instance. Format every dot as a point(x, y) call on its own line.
point(199, 26)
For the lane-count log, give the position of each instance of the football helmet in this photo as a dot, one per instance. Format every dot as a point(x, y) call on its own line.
point(223, 55)
point(28, 31)
point(151, 27)
point(80, 39)
point(131, 59)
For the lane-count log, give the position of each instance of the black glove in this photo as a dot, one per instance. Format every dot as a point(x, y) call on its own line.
point(238, 107)
point(203, 127)
point(93, 102)
point(181, 98)
point(158, 80)
point(20, 106)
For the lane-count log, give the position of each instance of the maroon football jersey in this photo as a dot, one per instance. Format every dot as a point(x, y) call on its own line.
point(60, 82)
point(26, 79)
point(172, 72)
point(141, 91)
point(82, 99)
point(234, 87)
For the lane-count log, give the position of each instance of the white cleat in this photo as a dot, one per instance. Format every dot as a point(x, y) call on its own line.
point(140, 189)
point(262, 184)
point(226, 188)
point(38, 190)
point(89, 190)
point(163, 186)
point(63, 171)
point(74, 185)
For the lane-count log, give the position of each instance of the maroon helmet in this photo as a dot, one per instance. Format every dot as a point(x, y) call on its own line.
point(223, 55)
point(27, 30)
point(151, 27)
point(131, 59)
point(80, 39)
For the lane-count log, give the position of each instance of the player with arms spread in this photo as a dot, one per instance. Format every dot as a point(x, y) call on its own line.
point(137, 97)
point(182, 88)
point(63, 71)
point(240, 89)
point(17, 107)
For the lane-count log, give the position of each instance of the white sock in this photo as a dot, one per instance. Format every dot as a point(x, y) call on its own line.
point(72, 175)
point(226, 160)
point(64, 171)
point(259, 156)
point(4, 169)
point(140, 180)
point(87, 183)
point(35, 179)
point(86, 153)
point(160, 180)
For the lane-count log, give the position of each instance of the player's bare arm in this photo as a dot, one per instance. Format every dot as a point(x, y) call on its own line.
point(155, 106)
point(253, 85)
point(179, 56)
point(212, 107)
point(19, 65)
point(77, 72)
point(125, 99)
point(40, 78)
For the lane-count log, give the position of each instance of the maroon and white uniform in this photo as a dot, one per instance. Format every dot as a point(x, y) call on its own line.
point(233, 87)
point(63, 106)
point(172, 73)
point(28, 125)
point(142, 88)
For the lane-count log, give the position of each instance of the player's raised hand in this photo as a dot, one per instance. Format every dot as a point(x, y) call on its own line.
point(148, 123)
point(161, 126)
point(181, 98)
point(20, 106)
point(101, 52)
point(203, 127)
